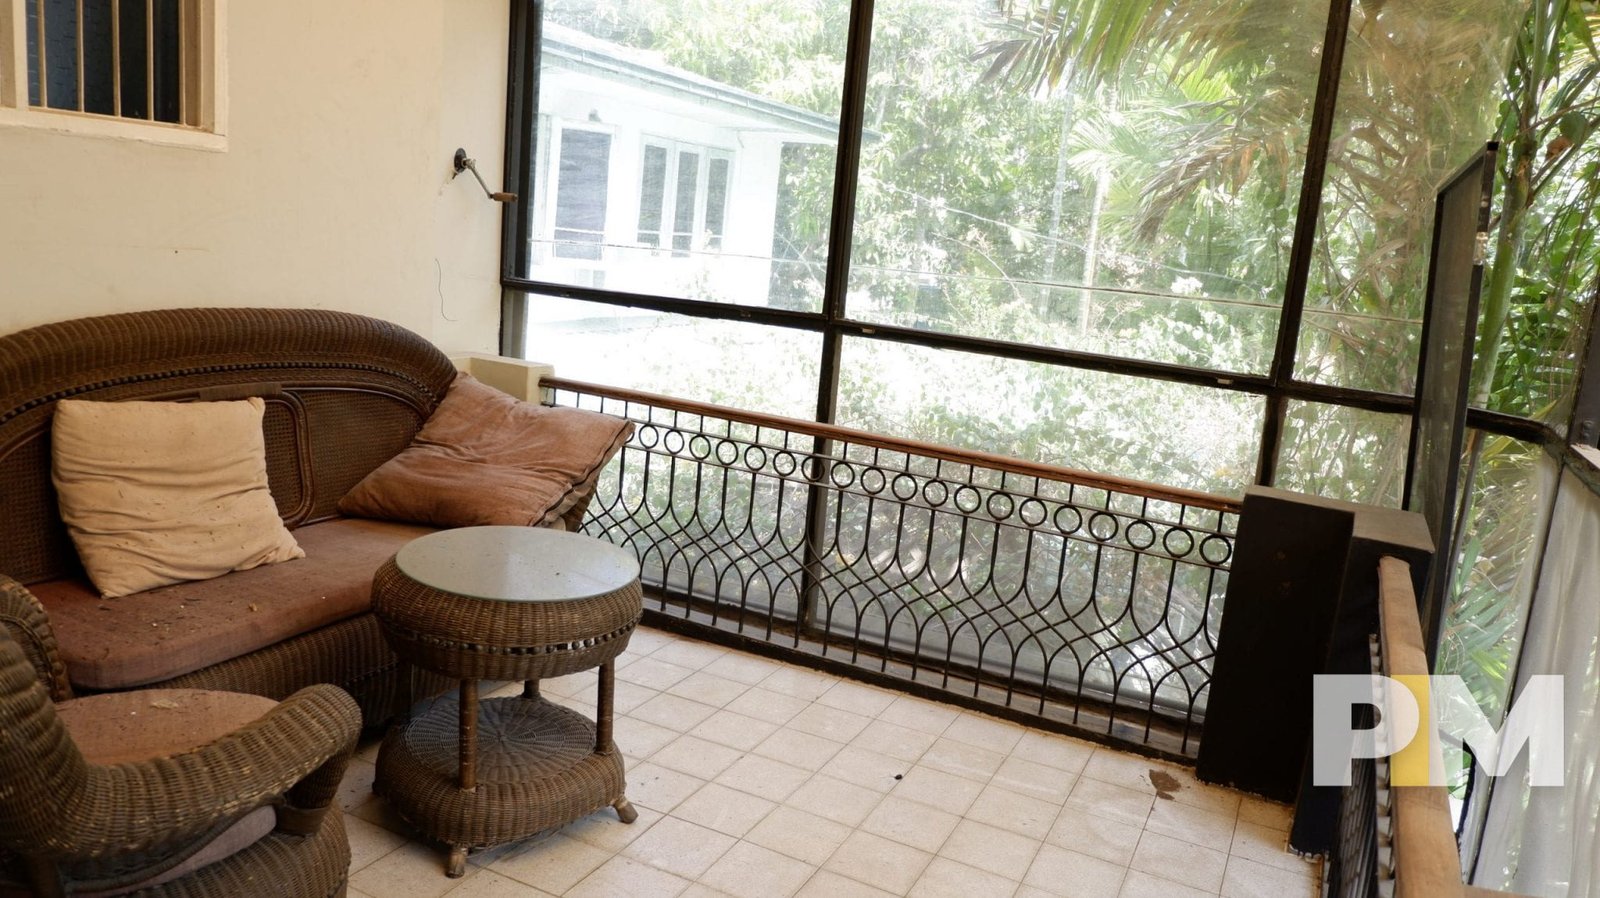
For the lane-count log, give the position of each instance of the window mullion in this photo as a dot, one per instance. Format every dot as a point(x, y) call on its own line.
point(1305, 236)
point(847, 163)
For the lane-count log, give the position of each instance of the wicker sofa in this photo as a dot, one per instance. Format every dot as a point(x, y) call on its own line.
point(343, 393)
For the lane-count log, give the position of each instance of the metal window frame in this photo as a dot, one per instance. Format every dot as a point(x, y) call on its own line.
point(1278, 386)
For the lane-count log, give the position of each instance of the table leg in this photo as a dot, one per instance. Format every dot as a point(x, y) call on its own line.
point(602, 713)
point(530, 689)
point(469, 740)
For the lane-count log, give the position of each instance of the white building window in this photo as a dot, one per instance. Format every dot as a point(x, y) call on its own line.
point(683, 196)
point(145, 69)
point(582, 179)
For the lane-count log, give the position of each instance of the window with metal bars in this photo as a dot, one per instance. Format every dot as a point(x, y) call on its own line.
point(129, 59)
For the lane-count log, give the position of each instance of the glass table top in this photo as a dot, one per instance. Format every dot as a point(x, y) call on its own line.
point(517, 564)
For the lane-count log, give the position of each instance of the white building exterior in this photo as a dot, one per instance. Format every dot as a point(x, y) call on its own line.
point(638, 165)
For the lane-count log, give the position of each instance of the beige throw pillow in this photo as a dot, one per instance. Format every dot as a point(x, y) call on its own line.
point(155, 493)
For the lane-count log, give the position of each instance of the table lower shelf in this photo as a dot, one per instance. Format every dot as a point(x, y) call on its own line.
point(537, 768)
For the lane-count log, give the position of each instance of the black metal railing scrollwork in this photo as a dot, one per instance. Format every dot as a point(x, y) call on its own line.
point(1086, 600)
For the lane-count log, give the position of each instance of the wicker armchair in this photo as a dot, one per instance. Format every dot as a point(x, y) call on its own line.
point(243, 811)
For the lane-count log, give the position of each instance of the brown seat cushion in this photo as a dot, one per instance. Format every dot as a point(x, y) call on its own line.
point(154, 636)
point(119, 727)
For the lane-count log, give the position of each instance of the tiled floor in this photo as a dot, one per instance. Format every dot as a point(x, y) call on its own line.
point(760, 780)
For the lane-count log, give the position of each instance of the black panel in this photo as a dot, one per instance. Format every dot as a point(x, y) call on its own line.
point(1450, 321)
point(1283, 592)
point(1585, 427)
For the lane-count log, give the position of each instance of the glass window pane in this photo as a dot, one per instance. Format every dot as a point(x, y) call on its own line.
point(167, 47)
point(1508, 502)
point(1551, 305)
point(685, 203)
point(1417, 97)
point(1344, 453)
point(581, 194)
point(729, 363)
point(1147, 216)
point(60, 52)
point(756, 83)
point(135, 71)
point(652, 195)
point(98, 91)
point(716, 202)
point(32, 17)
point(1191, 437)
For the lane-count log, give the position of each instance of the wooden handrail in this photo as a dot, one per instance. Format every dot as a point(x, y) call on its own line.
point(1426, 861)
point(895, 444)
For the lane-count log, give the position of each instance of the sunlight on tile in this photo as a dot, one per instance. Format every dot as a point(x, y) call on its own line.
point(755, 779)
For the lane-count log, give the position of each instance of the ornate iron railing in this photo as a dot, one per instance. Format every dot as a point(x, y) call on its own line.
point(1089, 602)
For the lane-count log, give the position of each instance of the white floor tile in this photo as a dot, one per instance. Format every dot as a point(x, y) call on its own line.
point(1008, 810)
point(945, 878)
point(1102, 799)
point(879, 862)
point(985, 732)
point(1266, 846)
point(734, 730)
point(962, 759)
point(1191, 824)
point(868, 701)
point(764, 704)
point(679, 847)
point(799, 834)
point(625, 876)
point(488, 884)
point(863, 767)
point(900, 742)
point(1248, 879)
point(723, 809)
point(828, 884)
point(763, 777)
point(910, 823)
point(1066, 872)
point(919, 714)
point(1108, 840)
point(750, 871)
point(835, 799)
point(660, 788)
point(1198, 866)
point(941, 790)
point(990, 848)
point(554, 864)
point(754, 779)
point(708, 688)
point(696, 757)
point(798, 749)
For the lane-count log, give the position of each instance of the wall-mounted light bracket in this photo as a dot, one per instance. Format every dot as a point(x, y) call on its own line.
point(465, 163)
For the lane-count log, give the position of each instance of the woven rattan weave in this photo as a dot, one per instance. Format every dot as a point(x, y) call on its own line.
point(69, 825)
point(473, 774)
point(344, 393)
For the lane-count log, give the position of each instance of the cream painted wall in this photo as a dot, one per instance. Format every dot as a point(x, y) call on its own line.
point(334, 191)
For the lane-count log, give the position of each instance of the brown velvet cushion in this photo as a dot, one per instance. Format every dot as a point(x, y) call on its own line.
point(487, 458)
point(168, 632)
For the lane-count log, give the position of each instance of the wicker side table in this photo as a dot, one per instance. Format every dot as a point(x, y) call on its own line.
point(504, 603)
